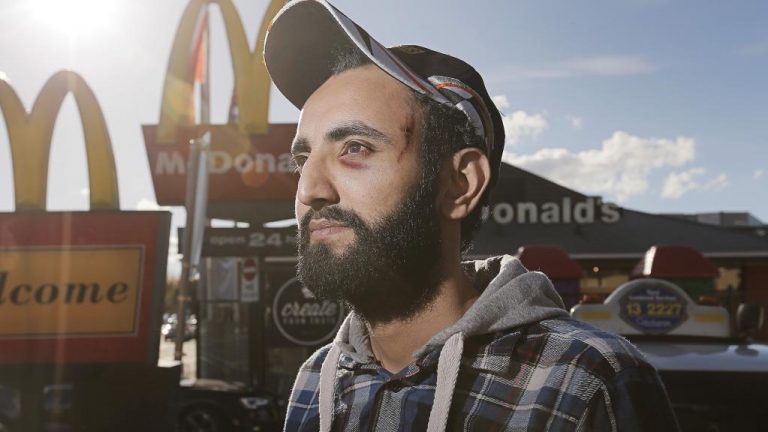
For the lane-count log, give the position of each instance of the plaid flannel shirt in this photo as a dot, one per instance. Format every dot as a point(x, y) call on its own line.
point(557, 374)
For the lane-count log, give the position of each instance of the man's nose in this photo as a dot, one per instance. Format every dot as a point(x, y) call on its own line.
point(316, 187)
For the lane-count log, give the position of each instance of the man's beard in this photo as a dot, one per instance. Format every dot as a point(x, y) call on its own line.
point(389, 272)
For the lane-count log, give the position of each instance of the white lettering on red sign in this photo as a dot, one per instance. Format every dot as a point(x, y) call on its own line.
point(221, 162)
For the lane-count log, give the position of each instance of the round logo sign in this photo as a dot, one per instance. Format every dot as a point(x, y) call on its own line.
point(653, 307)
point(302, 318)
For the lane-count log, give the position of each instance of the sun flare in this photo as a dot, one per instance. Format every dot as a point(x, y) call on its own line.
point(74, 18)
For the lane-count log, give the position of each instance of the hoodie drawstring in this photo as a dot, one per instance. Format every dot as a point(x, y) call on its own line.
point(328, 386)
point(447, 373)
point(511, 297)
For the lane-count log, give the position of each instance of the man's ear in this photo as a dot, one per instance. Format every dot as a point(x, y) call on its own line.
point(466, 176)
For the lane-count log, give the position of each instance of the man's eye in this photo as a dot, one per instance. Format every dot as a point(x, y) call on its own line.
point(355, 148)
point(298, 163)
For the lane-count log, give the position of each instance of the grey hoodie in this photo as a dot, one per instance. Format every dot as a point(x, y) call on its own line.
point(510, 297)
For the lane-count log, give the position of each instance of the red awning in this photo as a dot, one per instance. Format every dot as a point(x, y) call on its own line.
point(550, 260)
point(670, 261)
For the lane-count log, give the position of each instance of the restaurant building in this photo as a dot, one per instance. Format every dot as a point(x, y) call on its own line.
point(252, 308)
point(607, 241)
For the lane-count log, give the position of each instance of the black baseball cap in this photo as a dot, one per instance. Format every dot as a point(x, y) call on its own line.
point(304, 35)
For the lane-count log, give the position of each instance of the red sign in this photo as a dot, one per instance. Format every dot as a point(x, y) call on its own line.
point(241, 167)
point(249, 269)
point(82, 287)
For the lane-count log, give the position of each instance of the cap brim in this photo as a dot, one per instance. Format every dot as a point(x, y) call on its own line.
point(304, 37)
point(297, 49)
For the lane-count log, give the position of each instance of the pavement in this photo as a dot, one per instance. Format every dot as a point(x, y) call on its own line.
point(189, 350)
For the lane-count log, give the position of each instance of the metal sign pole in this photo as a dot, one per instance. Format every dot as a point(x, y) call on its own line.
point(196, 198)
point(187, 245)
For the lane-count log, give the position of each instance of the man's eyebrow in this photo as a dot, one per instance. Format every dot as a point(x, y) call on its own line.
point(358, 128)
point(300, 145)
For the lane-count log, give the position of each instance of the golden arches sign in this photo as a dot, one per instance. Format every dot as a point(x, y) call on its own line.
point(248, 160)
point(30, 136)
point(57, 269)
point(252, 82)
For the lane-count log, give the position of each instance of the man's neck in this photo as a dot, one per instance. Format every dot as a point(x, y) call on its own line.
point(394, 342)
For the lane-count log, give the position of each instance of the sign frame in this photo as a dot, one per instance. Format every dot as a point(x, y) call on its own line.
point(66, 231)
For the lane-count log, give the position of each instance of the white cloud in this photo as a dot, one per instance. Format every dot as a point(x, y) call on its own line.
point(501, 101)
point(758, 173)
point(575, 122)
point(717, 183)
point(519, 123)
point(621, 167)
point(678, 184)
point(600, 65)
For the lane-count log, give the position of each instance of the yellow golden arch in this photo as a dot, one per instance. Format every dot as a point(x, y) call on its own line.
point(252, 81)
point(30, 135)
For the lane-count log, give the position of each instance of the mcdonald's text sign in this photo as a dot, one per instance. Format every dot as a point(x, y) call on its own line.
point(240, 168)
point(249, 159)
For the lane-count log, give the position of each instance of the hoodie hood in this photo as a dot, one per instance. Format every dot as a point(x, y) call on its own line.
point(510, 296)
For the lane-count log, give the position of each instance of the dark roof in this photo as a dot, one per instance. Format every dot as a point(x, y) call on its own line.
point(631, 236)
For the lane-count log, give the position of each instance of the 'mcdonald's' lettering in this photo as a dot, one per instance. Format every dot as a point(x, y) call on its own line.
point(220, 162)
point(589, 211)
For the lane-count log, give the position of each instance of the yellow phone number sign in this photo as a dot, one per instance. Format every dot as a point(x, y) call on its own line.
point(655, 309)
point(652, 309)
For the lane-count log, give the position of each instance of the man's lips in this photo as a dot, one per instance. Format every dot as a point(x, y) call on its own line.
point(321, 228)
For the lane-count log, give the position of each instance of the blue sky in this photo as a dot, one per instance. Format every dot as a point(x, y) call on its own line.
point(657, 105)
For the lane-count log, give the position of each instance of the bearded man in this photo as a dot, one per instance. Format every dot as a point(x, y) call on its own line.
point(397, 150)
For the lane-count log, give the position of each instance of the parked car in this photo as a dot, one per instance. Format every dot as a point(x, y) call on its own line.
point(198, 405)
point(57, 404)
point(10, 408)
point(169, 327)
point(716, 379)
point(207, 405)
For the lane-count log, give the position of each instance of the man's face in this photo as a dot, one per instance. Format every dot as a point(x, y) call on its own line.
point(368, 230)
